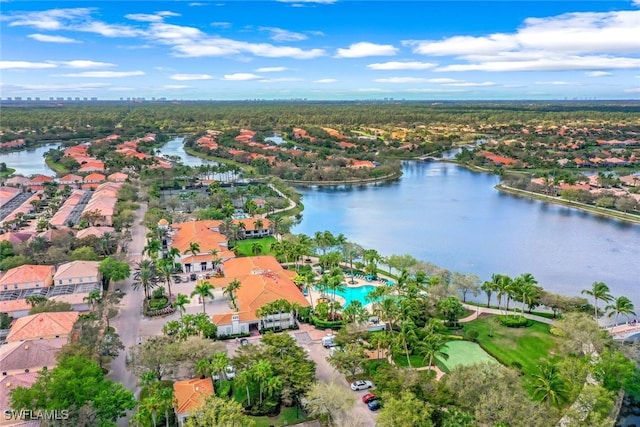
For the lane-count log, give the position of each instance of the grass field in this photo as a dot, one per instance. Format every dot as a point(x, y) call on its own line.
point(244, 246)
point(523, 348)
point(463, 353)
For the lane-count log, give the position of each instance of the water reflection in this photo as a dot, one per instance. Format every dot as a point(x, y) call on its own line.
point(29, 162)
point(455, 218)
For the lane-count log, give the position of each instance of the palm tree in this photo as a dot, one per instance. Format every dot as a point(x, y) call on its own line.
point(525, 286)
point(621, 305)
point(488, 288)
point(599, 291)
point(34, 300)
point(334, 282)
point(144, 277)
point(214, 258)
point(152, 248)
point(432, 347)
point(93, 298)
point(166, 268)
point(203, 290)
point(406, 337)
point(194, 249)
point(181, 301)
point(256, 248)
point(548, 386)
point(230, 290)
point(258, 224)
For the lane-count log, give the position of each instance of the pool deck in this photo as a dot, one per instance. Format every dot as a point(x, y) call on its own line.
point(347, 279)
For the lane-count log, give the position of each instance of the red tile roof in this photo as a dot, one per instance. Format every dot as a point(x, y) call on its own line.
point(43, 325)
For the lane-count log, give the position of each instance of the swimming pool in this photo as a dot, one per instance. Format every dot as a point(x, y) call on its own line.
point(354, 294)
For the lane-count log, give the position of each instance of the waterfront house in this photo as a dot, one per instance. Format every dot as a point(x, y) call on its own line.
point(27, 277)
point(189, 396)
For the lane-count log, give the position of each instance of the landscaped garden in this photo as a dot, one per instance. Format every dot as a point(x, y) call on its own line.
point(253, 247)
point(522, 348)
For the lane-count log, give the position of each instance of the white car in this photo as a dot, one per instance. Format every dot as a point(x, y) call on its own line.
point(229, 374)
point(361, 385)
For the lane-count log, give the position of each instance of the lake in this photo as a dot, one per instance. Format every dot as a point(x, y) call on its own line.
point(29, 162)
point(452, 217)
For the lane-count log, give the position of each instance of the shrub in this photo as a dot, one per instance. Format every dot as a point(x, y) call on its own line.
point(557, 332)
point(158, 303)
point(163, 312)
point(326, 324)
point(514, 321)
point(158, 293)
point(472, 335)
point(223, 389)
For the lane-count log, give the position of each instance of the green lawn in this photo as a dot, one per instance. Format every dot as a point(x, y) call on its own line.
point(524, 348)
point(287, 416)
point(463, 353)
point(244, 246)
point(416, 360)
point(7, 173)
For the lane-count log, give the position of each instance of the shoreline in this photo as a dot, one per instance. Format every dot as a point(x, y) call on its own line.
point(602, 212)
point(594, 210)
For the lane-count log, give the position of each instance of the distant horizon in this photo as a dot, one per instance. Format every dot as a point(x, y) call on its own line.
point(321, 50)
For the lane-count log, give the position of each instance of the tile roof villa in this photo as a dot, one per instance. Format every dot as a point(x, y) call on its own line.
point(263, 281)
point(27, 276)
point(43, 325)
point(189, 396)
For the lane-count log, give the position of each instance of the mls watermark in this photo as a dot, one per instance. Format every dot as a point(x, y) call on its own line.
point(32, 414)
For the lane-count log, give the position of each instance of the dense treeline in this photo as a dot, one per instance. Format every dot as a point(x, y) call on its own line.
point(193, 116)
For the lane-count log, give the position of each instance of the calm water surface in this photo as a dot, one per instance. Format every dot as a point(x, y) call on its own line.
point(454, 218)
point(175, 147)
point(29, 162)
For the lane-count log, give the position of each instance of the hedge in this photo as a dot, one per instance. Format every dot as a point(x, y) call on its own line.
point(326, 324)
point(514, 321)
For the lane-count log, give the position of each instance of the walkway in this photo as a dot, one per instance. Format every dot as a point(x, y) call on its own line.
point(480, 310)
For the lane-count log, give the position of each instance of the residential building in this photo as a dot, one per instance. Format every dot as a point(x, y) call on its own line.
point(26, 277)
point(189, 396)
point(205, 234)
point(263, 280)
point(77, 273)
point(43, 325)
point(19, 357)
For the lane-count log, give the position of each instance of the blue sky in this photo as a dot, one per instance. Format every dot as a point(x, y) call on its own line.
point(321, 50)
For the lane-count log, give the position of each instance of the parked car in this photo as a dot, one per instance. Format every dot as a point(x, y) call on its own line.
point(192, 276)
point(361, 385)
point(228, 374)
point(374, 405)
point(244, 341)
point(328, 341)
point(368, 397)
point(334, 350)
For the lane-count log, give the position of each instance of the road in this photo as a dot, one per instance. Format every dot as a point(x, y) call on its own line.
point(127, 322)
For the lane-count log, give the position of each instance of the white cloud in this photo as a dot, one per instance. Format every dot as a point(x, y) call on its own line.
point(633, 90)
point(104, 74)
point(558, 63)
point(555, 83)
point(221, 24)
point(52, 39)
point(53, 19)
point(270, 69)
point(186, 77)
point(441, 81)
point(241, 77)
point(572, 41)
point(280, 35)
point(175, 87)
point(63, 87)
point(470, 84)
point(25, 65)
point(110, 30)
point(281, 79)
point(325, 81)
point(83, 63)
point(144, 17)
point(598, 73)
point(121, 89)
point(635, 2)
point(195, 4)
point(363, 49)
point(402, 80)
point(412, 65)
